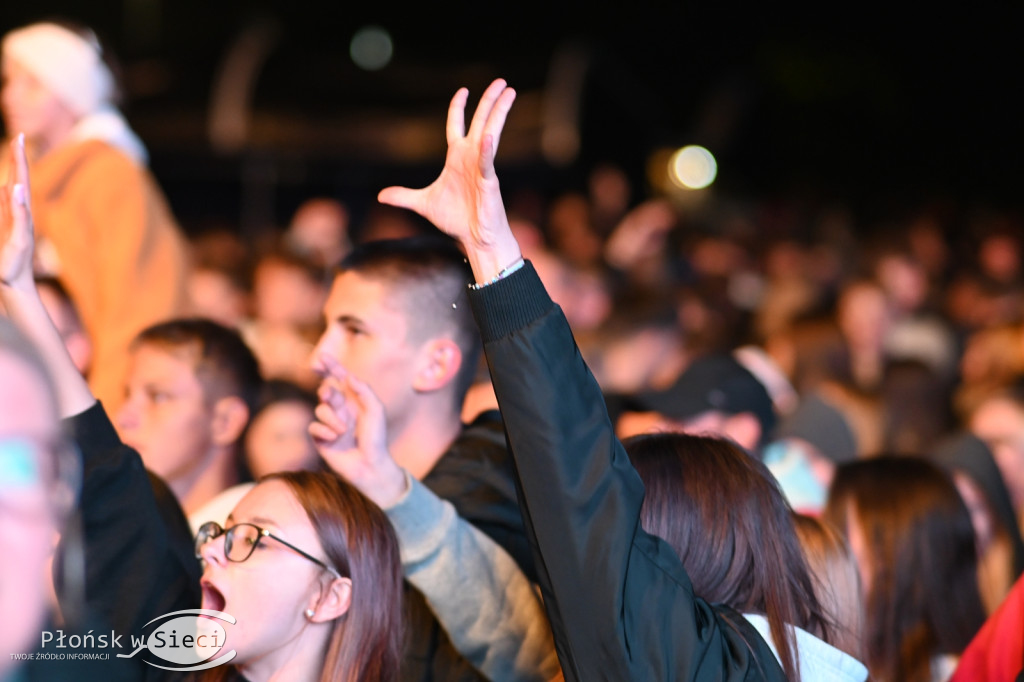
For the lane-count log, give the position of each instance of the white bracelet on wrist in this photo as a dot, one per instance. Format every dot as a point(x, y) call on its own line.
point(501, 275)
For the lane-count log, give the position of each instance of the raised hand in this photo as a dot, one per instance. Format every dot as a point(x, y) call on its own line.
point(16, 231)
point(641, 234)
point(351, 436)
point(465, 200)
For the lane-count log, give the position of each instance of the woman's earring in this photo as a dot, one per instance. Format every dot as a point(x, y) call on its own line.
point(310, 613)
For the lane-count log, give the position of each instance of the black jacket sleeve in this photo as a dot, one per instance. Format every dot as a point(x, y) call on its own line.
point(138, 564)
point(620, 603)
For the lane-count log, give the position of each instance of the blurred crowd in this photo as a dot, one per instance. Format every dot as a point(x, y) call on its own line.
point(874, 364)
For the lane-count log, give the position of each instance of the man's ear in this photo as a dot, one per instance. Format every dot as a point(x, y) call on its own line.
point(230, 417)
point(745, 429)
point(333, 603)
point(441, 361)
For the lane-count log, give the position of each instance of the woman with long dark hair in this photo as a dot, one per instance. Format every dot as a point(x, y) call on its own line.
point(914, 543)
point(699, 487)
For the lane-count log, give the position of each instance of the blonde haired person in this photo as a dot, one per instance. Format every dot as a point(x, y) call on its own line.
point(103, 226)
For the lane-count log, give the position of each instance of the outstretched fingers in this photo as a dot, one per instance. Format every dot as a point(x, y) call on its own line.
point(21, 162)
point(16, 239)
point(492, 132)
point(483, 109)
point(402, 197)
point(455, 128)
point(496, 119)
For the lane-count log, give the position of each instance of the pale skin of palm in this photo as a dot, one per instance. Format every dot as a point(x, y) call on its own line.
point(465, 200)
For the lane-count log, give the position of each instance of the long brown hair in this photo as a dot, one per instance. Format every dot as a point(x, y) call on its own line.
point(723, 513)
point(836, 581)
point(366, 643)
point(921, 592)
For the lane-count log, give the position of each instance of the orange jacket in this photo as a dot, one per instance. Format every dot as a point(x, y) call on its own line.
point(121, 255)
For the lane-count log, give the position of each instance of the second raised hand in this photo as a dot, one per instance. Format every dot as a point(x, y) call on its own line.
point(351, 436)
point(465, 200)
point(16, 236)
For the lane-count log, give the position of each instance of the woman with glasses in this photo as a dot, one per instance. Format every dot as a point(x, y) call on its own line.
point(307, 567)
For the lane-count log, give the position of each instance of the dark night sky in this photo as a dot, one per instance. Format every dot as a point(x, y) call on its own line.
point(863, 104)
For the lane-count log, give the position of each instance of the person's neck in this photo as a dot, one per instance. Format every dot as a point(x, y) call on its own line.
point(423, 440)
point(300, 662)
point(205, 482)
point(41, 145)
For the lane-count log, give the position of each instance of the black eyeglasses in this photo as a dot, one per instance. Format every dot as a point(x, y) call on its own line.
point(241, 539)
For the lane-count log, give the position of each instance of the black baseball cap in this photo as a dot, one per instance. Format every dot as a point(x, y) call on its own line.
point(711, 383)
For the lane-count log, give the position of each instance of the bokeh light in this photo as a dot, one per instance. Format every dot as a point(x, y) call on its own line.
point(371, 48)
point(692, 167)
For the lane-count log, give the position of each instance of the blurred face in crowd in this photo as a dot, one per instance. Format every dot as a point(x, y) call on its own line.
point(285, 294)
point(165, 415)
point(214, 296)
point(1000, 423)
point(27, 520)
point(278, 439)
point(29, 107)
point(999, 257)
point(863, 316)
point(905, 282)
point(320, 228)
point(368, 334)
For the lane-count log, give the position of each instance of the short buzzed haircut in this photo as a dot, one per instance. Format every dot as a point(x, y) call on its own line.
point(224, 364)
point(429, 278)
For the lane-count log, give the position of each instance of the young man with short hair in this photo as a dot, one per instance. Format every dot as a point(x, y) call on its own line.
point(191, 387)
point(398, 319)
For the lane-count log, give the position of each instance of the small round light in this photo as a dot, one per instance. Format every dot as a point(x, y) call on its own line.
point(692, 167)
point(371, 48)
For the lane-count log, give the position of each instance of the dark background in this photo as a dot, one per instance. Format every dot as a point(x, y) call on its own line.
point(876, 108)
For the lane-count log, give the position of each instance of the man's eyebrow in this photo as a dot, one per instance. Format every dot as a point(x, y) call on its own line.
point(348, 318)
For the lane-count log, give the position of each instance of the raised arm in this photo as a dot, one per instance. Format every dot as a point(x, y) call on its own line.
point(620, 603)
point(134, 568)
point(18, 288)
point(474, 587)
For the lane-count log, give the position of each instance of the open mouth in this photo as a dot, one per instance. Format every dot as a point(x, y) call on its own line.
point(213, 600)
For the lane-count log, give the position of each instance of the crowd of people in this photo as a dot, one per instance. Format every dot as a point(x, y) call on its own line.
point(601, 437)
